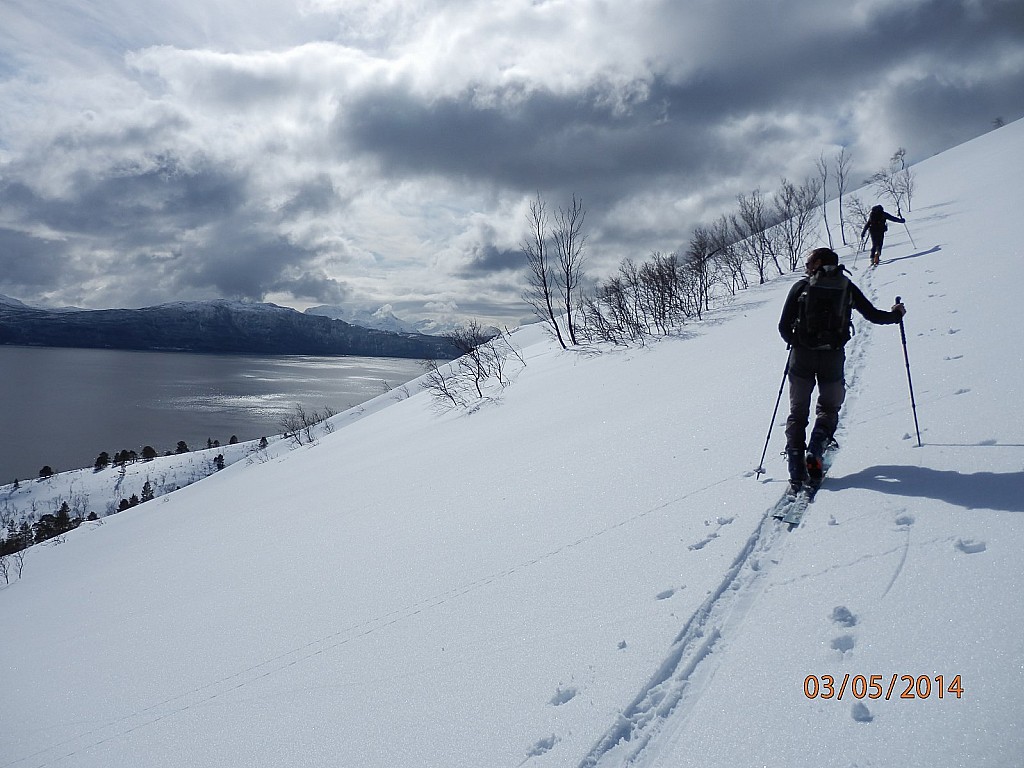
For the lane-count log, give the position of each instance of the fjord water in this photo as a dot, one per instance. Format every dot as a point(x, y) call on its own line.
point(62, 407)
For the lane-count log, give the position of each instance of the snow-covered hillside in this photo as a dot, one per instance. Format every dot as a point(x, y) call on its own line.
point(581, 572)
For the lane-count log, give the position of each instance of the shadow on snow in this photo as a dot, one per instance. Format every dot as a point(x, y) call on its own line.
point(979, 490)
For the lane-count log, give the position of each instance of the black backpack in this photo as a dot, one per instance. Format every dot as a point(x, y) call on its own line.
point(877, 219)
point(824, 310)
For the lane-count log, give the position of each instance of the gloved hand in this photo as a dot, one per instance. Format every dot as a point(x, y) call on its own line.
point(900, 309)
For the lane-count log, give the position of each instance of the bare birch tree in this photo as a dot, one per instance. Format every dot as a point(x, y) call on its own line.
point(797, 209)
point(905, 177)
point(895, 181)
point(540, 293)
point(750, 229)
point(731, 271)
point(569, 243)
point(475, 364)
point(857, 213)
point(822, 166)
point(842, 161)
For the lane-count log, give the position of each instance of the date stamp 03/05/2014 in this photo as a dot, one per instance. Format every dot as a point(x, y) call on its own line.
point(895, 686)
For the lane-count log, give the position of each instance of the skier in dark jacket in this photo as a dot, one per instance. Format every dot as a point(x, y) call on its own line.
point(807, 365)
point(876, 225)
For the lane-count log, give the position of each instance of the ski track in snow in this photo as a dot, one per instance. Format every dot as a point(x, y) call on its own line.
point(690, 664)
point(680, 674)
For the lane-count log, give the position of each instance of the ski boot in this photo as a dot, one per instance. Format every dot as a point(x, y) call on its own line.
point(797, 470)
point(815, 466)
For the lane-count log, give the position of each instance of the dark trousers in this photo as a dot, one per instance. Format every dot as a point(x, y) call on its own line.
point(808, 367)
point(877, 238)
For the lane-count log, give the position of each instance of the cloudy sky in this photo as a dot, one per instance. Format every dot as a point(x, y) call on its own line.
point(384, 152)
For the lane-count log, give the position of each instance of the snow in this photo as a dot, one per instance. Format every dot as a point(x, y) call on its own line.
point(580, 572)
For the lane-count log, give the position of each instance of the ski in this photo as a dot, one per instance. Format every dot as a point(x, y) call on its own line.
point(791, 507)
point(795, 515)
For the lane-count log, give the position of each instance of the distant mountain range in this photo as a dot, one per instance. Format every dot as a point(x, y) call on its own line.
point(382, 319)
point(221, 326)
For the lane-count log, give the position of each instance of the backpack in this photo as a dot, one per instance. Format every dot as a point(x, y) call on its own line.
point(877, 220)
point(824, 310)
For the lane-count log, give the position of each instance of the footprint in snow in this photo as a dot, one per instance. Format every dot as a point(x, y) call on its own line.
point(970, 546)
point(842, 616)
point(542, 746)
point(563, 696)
point(844, 644)
point(703, 542)
point(861, 713)
point(721, 522)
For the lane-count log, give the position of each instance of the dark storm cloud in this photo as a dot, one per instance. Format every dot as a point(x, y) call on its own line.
point(29, 263)
point(488, 259)
point(531, 139)
point(141, 218)
point(156, 195)
point(317, 195)
point(540, 139)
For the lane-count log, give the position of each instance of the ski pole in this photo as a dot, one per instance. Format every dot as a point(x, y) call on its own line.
point(910, 235)
point(760, 467)
point(906, 358)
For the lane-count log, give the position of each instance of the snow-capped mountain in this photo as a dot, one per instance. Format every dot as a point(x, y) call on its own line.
point(382, 319)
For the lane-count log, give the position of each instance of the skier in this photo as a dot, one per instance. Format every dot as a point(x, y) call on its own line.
point(816, 324)
point(876, 225)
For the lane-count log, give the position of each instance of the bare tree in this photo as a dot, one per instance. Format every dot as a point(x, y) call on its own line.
point(730, 261)
point(701, 263)
point(904, 177)
point(485, 358)
point(750, 229)
point(895, 181)
point(299, 424)
point(475, 363)
point(569, 242)
point(540, 278)
point(443, 388)
point(613, 314)
point(843, 161)
point(856, 218)
point(797, 210)
point(822, 166)
point(657, 295)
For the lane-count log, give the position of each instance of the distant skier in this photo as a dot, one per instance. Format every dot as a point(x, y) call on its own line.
point(876, 225)
point(816, 323)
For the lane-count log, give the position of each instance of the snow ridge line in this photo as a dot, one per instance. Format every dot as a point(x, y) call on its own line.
point(720, 613)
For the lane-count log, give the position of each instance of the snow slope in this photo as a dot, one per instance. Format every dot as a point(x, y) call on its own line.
point(581, 572)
